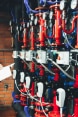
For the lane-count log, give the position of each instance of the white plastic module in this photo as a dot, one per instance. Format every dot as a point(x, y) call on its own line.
point(15, 54)
point(22, 75)
point(60, 98)
point(41, 56)
point(40, 89)
point(28, 81)
point(74, 4)
point(29, 55)
point(14, 73)
point(63, 57)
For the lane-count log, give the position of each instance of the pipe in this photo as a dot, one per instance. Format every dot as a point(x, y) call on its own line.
point(73, 25)
point(76, 79)
point(58, 29)
point(41, 33)
point(26, 109)
point(32, 39)
point(53, 6)
point(77, 36)
point(19, 109)
point(32, 71)
point(24, 38)
point(21, 113)
point(57, 25)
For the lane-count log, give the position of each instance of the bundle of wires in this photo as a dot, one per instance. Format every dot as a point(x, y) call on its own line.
point(28, 9)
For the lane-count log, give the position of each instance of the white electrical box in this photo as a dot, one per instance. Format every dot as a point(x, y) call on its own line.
point(63, 57)
point(22, 54)
point(40, 89)
point(41, 56)
point(29, 55)
point(15, 54)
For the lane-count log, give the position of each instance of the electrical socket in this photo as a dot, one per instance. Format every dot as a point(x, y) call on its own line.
point(6, 86)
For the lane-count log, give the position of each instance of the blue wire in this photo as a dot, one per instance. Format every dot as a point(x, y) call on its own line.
point(48, 2)
point(29, 10)
point(52, 3)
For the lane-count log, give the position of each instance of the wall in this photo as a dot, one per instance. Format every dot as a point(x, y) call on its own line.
point(5, 59)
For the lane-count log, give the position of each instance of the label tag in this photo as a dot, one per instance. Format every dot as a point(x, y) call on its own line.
point(5, 72)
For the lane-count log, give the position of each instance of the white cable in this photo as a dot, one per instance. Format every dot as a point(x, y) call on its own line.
point(69, 44)
point(45, 67)
point(61, 69)
point(43, 108)
point(19, 89)
point(33, 97)
point(65, 35)
point(24, 61)
point(28, 94)
point(67, 68)
point(40, 63)
point(36, 99)
point(61, 111)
